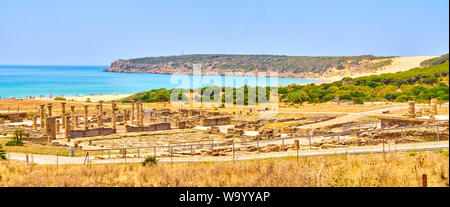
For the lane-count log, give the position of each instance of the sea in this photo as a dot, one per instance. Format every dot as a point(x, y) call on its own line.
point(22, 81)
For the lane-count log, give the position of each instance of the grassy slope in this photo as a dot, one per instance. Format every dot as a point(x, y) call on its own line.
point(372, 170)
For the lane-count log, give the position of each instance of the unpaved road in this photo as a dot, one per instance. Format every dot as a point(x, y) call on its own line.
point(52, 160)
point(349, 117)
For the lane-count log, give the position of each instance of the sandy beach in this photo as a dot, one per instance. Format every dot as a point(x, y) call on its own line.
point(93, 98)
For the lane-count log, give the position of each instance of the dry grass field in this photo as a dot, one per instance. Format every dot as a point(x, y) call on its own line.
point(371, 170)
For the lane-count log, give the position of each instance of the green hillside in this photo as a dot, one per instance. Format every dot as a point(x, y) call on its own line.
point(281, 63)
point(435, 61)
point(418, 84)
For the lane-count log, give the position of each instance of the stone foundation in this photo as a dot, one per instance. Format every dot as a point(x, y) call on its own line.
point(152, 127)
point(215, 121)
point(102, 131)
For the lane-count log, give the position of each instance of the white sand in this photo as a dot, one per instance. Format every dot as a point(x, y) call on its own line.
point(398, 64)
point(94, 98)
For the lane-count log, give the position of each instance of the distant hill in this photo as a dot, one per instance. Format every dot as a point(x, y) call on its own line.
point(286, 66)
point(419, 84)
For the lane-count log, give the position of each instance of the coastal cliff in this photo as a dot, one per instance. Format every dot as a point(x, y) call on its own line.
point(286, 66)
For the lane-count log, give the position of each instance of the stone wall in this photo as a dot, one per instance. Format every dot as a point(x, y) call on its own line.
point(215, 121)
point(16, 116)
point(152, 127)
point(387, 122)
point(102, 131)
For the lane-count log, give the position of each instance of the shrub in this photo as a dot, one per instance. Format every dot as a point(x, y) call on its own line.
point(60, 99)
point(390, 96)
point(358, 101)
point(345, 97)
point(149, 161)
point(2, 153)
point(412, 153)
point(16, 139)
point(14, 143)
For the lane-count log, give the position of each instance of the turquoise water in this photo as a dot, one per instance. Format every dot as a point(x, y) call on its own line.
point(23, 81)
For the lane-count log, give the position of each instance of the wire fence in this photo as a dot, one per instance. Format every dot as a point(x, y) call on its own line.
point(235, 148)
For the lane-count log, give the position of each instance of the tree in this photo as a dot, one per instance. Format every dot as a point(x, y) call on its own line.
point(16, 139)
point(358, 101)
point(390, 96)
point(18, 134)
point(296, 97)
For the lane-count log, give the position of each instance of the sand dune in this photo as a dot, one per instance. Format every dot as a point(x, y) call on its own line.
point(399, 64)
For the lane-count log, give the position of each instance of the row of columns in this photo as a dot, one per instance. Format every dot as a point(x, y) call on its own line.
point(413, 113)
point(50, 125)
point(137, 113)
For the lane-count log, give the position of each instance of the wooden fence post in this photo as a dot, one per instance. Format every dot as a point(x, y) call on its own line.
point(424, 180)
point(401, 133)
point(233, 150)
point(437, 131)
point(310, 140)
point(257, 143)
point(171, 155)
point(297, 146)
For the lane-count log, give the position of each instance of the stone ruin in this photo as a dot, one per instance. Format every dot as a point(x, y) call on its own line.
point(411, 116)
point(13, 116)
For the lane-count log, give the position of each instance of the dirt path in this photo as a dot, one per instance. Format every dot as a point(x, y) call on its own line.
point(349, 117)
point(52, 160)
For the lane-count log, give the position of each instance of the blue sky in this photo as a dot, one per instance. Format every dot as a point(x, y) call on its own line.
point(97, 32)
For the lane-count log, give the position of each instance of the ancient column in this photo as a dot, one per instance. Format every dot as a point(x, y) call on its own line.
point(34, 122)
point(86, 121)
point(411, 111)
point(132, 110)
point(68, 128)
point(113, 115)
point(124, 117)
point(42, 115)
point(72, 114)
point(143, 114)
point(49, 107)
point(58, 127)
point(63, 113)
point(100, 118)
point(140, 114)
point(76, 122)
point(50, 128)
point(47, 130)
point(433, 110)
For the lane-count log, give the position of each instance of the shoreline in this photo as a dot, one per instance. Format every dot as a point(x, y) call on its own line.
point(92, 98)
point(399, 64)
